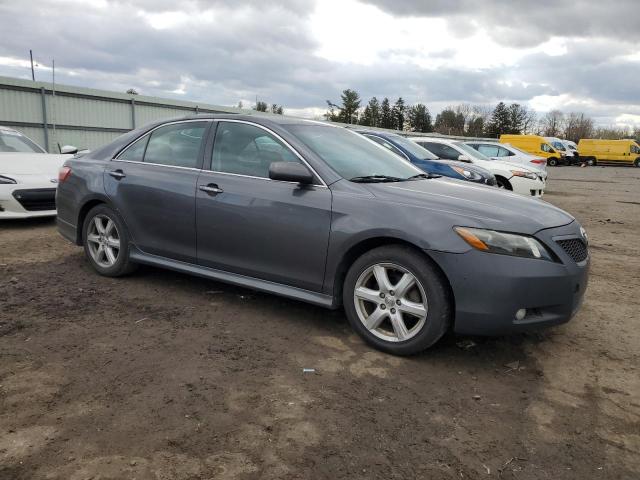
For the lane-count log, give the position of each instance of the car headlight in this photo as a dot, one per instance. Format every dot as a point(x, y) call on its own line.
point(519, 173)
point(468, 174)
point(6, 180)
point(504, 243)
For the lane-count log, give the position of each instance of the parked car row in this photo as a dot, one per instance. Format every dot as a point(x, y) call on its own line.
point(330, 216)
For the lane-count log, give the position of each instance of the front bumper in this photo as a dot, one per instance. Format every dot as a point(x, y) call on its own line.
point(27, 200)
point(489, 289)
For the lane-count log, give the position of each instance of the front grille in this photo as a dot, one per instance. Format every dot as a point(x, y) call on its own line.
point(36, 199)
point(575, 248)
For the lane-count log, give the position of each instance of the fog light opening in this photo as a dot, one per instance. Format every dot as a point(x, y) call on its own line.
point(520, 314)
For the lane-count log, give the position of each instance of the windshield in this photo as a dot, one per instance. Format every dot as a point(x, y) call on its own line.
point(11, 141)
point(413, 148)
point(350, 154)
point(558, 145)
point(472, 152)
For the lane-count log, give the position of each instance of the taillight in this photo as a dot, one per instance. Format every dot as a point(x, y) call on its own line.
point(63, 174)
point(539, 161)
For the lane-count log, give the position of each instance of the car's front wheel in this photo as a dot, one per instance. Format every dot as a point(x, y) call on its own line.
point(106, 242)
point(397, 300)
point(552, 162)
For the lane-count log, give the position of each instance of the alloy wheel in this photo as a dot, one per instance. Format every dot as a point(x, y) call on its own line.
point(390, 302)
point(103, 241)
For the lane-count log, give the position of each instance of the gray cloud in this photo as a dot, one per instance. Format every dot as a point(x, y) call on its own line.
point(266, 49)
point(523, 22)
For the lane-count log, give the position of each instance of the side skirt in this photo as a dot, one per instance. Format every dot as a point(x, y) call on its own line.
point(315, 298)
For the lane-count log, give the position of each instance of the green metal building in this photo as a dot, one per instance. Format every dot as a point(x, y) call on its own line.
point(83, 117)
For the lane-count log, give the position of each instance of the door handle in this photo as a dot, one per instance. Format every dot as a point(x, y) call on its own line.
point(117, 174)
point(211, 189)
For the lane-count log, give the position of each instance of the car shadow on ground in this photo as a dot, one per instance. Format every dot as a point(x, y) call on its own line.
point(27, 223)
point(495, 353)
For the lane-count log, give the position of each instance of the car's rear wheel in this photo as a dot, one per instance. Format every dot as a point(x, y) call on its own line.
point(591, 161)
point(106, 242)
point(397, 300)
point(637, 162)
point(553, 162)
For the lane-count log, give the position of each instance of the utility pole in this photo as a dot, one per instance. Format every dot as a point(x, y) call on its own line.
point(53, 101)
point(33, 74)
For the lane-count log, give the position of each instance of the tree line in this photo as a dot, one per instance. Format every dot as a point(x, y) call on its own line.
point(469, 120)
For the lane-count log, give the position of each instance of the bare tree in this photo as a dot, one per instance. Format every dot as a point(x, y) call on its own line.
point(553, 123)
point(577, 126)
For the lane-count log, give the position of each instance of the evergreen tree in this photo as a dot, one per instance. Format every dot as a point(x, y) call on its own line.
point(386, 114)
point(398, 114)
point(350, 106)
point(475, 127)
point(517, 118)
point(419, 118)
point(260, 106)
point(449, 122)
point(371, 114)
point(499, 122)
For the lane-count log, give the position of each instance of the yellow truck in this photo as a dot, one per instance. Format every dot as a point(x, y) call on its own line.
point(594, 151)
point(536, 145)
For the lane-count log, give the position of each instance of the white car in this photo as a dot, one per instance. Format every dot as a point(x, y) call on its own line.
point(516, 177)
point(508, 153)
point(28, 176)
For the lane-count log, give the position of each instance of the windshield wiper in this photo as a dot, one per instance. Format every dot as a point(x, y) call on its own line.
point(423, 175)
point(375, 179)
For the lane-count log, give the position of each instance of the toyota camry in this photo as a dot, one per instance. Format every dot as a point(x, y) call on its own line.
point(318, 213)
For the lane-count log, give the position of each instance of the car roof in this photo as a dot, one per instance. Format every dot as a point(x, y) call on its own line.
point(256, 118)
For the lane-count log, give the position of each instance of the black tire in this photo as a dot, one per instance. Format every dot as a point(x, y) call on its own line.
point(123, 265)
point(502, 182)
point(637, 163)
point(552, 162)
point(433, 284)
point(592, 162)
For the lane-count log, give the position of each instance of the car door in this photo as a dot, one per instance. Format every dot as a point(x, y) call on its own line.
point(252, 225)
point(152, 183)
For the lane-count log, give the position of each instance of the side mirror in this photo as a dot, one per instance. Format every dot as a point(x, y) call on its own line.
point(69, 149)
point(290, 172)
point(464, 158)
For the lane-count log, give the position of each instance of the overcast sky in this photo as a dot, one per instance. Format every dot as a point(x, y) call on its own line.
point(573, 55)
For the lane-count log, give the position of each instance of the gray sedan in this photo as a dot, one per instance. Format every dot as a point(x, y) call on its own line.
point(318, 213)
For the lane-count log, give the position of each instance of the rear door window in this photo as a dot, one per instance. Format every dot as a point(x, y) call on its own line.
point(503, 152)
point(135, 151)
point(176, 144)
point(488, 150)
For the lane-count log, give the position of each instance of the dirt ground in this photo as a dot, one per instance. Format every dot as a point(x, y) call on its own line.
point(165, 376)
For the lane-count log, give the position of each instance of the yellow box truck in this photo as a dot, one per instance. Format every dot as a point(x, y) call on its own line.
point(536, 145)
point(594, 151)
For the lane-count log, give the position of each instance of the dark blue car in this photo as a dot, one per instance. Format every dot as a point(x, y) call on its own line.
point(427, 161)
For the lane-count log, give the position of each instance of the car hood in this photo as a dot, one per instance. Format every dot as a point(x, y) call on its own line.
point(475, 205)
point(31, 163)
